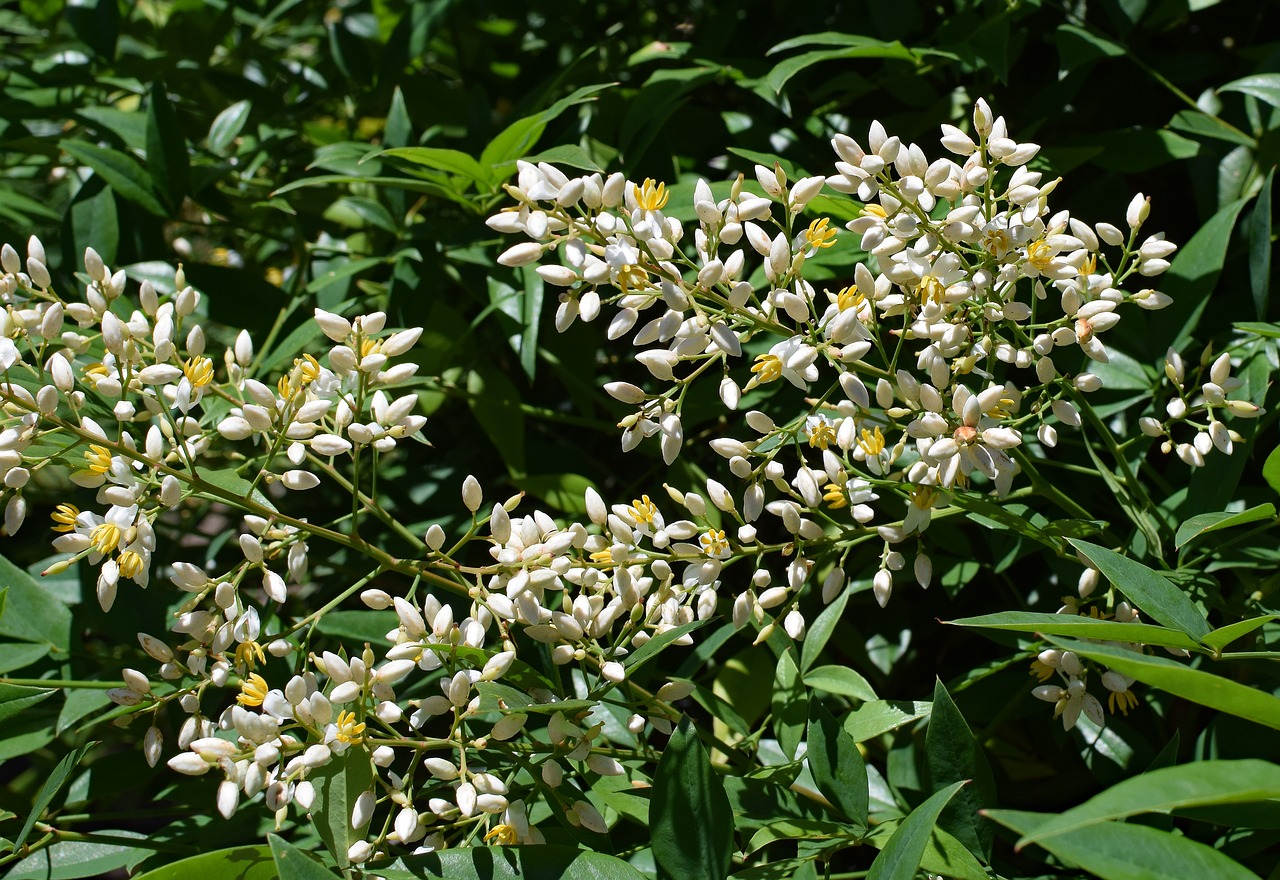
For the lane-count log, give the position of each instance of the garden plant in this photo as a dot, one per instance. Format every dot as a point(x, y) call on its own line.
point(673, 441)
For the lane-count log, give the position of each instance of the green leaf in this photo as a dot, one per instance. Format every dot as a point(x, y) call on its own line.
point(1200, 784)
point(1211, 522)
point(943, 854)
point(93, 220)
point(1193, 274)
point(294, 864)
point(837, 766)
point(1080, 627)
point(49, 789)
point(1078, 46)
point(1271, 469)
point(496, 697)
point(519, 137)
point(31, 613)
point(97, 22)
point(790, 704)
point(441, 159)
point(650, 649)
point(227, 126)
point(865, 47)
point(900, 858)
point(691, 823)
point(495, 402)
point(872, 719)
point(840, 680)
point(229, 481)
point(166, 147)
point(1200, 687)
point(1220, 638)
point(571, 155)
point(1263, 86)
point(71, 859)
point(952, 754)
point(337, 786)
point(237, 863)
point(15, 699)
point(820, 632)
point(124, 175)
point(1123, 851)
point(1260, 247)
point(546, 862)
point(1149, 590)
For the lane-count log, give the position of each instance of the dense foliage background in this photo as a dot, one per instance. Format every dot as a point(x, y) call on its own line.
point(243, 139)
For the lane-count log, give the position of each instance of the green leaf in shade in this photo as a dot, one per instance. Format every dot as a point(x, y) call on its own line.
point(441, 159)
point(1210, 522)
point(790, 704)
point(1271, 469)
point(1123, 851)
point(1078, 46)
point(1193, 274)
point(821, 630)
point(1260, 247)
point(227, 126)
point(1220, 638)
point(237, 863)
point(943, 854)
point(547, 862)
point(338, 784)
point(494, 400)
point(32, 613)
point(840, 680)
point(1080, 627)
point(691, 822)
point(1201, 784)
point(52, 784)
point(865, 47)
point(71, 859)
point(900, 858)
point(120, 171)
point(519, 137)
point(837, 766)
point(166, 147)
point(881, 716)
point(16, 699)
point(952, 754)
point(1149, 590)
point(97, 22)
point(571, 155)
point(1180, 680)
point(1263, 86)
point(294, 864)
point(229, 481)
point(650, 649)
point(92, 220)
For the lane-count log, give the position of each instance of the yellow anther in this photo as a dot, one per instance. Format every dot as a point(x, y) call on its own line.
point(253, 690)
point(98, 458)
point(64, 517)
point(643, 510)
point(850, 298)
point(820, 234)
point(130, 563)
point(249, 654)
point(650, 196)
point(502, 835)
point(872, 442)
point(105, 538)
point(714, 542)
point(349, 729)
point(1039, 255)
point(834, 496)
point(199, 371)
point(767, 367)
point(821, 434)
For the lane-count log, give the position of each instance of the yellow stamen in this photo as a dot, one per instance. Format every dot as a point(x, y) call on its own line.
point(249, 654)
point(872, 442)
point(98, 459)
point(349, 729)
point(1040, 670)
point(821, 435)
point(834, 496)
point(714, 542)
point(602, 557)
point(1090, 265)
point(64, 515)
point(996, 242)
point(820, 234)
point(370, 346)
point(650, 196)
point(643, 510)
point(199, 371)
point(1039, 255)
point(633, 277)
point(1122, 702)
point(502, 835)
point(850, 298)
point(924, 496)
point(767, 367)
point(253, 690)
point(105, 538)
point(875, 211)
point(931, 288)
point(96, 370)
point(130, 563)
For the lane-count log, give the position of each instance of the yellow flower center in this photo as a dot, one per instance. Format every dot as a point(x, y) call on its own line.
point(199, 371)
point(64, 515)
point(821, 434)
point(1122, 702)
point(714, 542)
point(1040, 670)
point(996, 241)
point(253, 690)
point(872, 442)
point(820, 234)
point(1090, 265)
point(931, 288)
point(96, 370)
point(370, 346)
point(249, 654)
point(349, 729)
point(643, 510)
point(834, 496)
point(650, 196)
point(98, 459)
point(1039, 254)
point(923, 497)
point(502, 835)
point(850, 298)
point(105, 538)
point(130, 564)
point(767, 367)
point(632, 277)
point(875, 211)
point(602, 557)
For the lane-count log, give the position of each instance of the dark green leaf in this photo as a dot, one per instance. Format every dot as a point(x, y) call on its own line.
point(790, 704)
point(495, 402)
point(547, 862)
point(1193, 274)
point(1081, 627)
point(866, 47)
point(293, 864)
point(338, 784)
point(15, 699)
point(1220, 638)
point(1211, 522)
point(952, 754)
point(166, 147)
point(32, 613)
point(1149, 590)
point(237, 486)
point(227, 126)
point(93, 221)
point(441, 159)
point(1260, 247)
point(1271, 469)
point(691, 823)
point(71, 859)
point(124, 175)
point(840, 680)
point(837, 766)
point(650, 649)
point(820, 632)
point(901, 856)
point(52, 784)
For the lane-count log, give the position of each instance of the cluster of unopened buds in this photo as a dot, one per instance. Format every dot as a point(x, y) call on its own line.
point(1201, 404)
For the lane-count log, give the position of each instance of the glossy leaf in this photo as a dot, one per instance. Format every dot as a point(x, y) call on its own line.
point(71, 859)
point(236, 863)
point(821, 630)
point(651, 648)
point(1271, 469)
point(546, 862)
point(227, 126)
point(1200, 784)
point(1079, 626)
point(900, 858)
point(16, 699)
point(294, 864)
point(1194, 270)
point(691, 823)
point(32, 613)
point(840, 680)
point(49, 789)
point(1263, 86)
point(837, 765)
point(881, 716)
point(1220, 638)
point(1181, 680)
point(1211, 522)
point(1121, 851)
point(122, 173)
point(952, 754)
point(1149, 590)
point(338, 784)
point(790, 704)
point(944, 856)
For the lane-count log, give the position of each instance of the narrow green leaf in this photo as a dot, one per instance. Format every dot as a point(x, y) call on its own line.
point(568, 154)
point(229, 481)
point(1193, 274)
point(1123, 851)
point(900, 858)
point(1260, 247)
point(16, 699)
point(1204, 688)
point(495, 401)
point(1211, 522)
point(1220, 638)
point(166, 147)
point(1271, 469)
point(32, 613)
point(338, 784)
point(1200, 784)
point(650, 649)
point(943, 854)
point(294, 864)
point(52, 784)
point(1149, 590)
point(840, 680)
point(837, 766)
point(790, 704)
point(1080, 627)
point(1263, 86)
point(872, 719)
point(511, 863)
point(441, 159)
point(821, 630)
point(71, 859)
point(227, 126)
point(121, 172)
point(952, 754)
point(867, 47)
point(237, 863)
point(691, 822)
